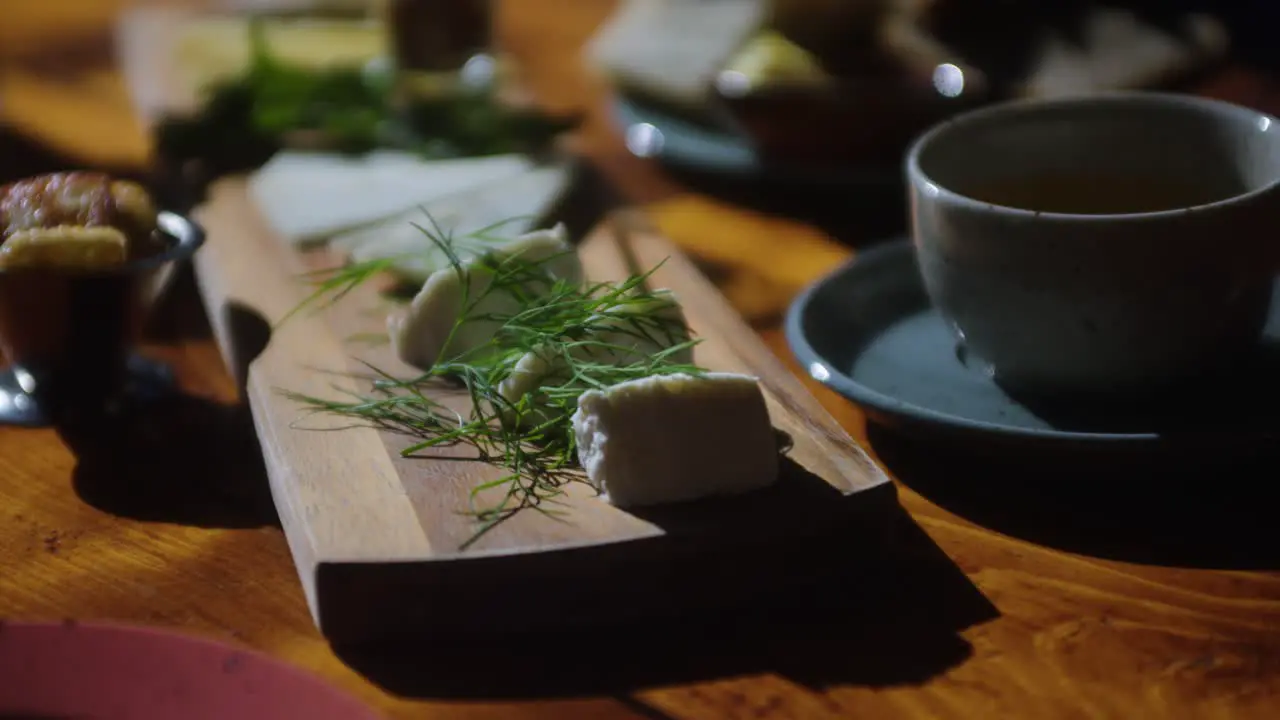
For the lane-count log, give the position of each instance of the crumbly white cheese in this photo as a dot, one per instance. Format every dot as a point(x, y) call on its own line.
point(660, 326)
point(420, 331)
point(673, 438)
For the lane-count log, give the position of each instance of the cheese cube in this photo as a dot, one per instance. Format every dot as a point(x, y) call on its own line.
point(673, 438)
point(420, 331)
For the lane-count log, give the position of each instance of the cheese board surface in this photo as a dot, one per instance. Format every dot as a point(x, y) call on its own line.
point(378, 538)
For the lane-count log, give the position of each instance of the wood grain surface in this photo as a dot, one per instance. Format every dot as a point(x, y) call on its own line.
point(1013, 585)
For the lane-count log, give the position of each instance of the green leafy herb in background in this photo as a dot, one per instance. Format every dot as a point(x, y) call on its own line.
point(274, 105)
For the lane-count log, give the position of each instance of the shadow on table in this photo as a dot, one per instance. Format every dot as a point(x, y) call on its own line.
point(854, 213)
point(183, 460)
point(180, 315)
point(179, 458)
point(1172, 507)
point(893, 619)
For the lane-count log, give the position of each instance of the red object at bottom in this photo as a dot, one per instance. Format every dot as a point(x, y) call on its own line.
point(110, 672)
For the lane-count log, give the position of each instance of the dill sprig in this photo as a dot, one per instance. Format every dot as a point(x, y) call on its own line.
point(560, 340)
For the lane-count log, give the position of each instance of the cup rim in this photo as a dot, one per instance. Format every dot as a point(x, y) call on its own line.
point(921, 180)
point(188, 234)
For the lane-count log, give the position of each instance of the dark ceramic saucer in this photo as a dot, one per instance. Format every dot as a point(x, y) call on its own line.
point(70, 338)
point(869, 332)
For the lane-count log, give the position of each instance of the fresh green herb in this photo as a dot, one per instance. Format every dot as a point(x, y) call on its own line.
point(274, 105)
point(586, 335)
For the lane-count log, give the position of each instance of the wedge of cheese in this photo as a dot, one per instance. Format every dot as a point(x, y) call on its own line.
point(675, 438)
point(65, 247)
point(503, 209)
point(420, 332)
point(310, 197)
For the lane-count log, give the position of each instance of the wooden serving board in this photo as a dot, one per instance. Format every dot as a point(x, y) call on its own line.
point(376, 537)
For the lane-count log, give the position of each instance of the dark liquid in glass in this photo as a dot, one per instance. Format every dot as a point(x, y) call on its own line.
point(437, 35)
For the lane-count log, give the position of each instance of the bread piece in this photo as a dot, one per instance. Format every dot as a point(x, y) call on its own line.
point(64, 247)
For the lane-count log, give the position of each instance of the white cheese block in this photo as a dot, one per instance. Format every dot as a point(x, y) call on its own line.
point(307, 197)
point(503, 209)
point(674, 438)
point(622, 343)
point(420, 331)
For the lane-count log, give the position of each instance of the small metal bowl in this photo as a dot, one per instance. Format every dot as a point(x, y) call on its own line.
point(69, 337)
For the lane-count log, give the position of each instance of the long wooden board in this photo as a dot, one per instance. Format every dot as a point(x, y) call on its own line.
point(376, 537)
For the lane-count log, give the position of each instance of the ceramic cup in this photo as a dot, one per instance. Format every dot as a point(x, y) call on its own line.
point(1148, 290)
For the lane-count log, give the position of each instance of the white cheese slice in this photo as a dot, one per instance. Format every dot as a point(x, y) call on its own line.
point(674, 438)
point(660, 326)
point(504, 209)
point(673, 49)
point(419, 332)
point(307, 197)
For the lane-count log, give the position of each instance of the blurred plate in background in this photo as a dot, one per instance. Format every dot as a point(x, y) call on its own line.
point(793, 120)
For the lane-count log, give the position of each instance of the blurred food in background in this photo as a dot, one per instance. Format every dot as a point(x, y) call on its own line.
point(802, 102)
point(411, 76)
point(848, 82)
point(348, 120)
point(205, 49)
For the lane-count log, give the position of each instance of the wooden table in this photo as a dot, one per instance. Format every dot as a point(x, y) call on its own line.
point(1020, 586)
